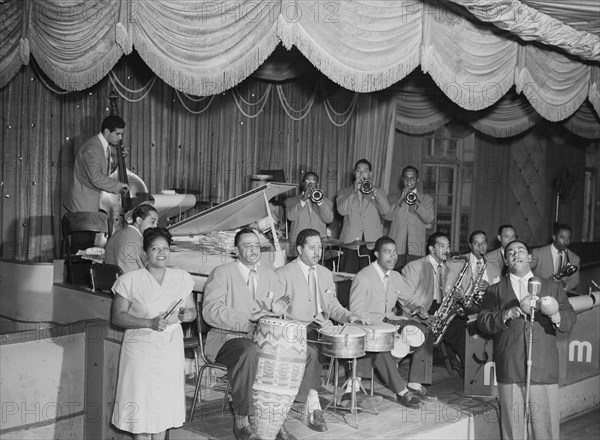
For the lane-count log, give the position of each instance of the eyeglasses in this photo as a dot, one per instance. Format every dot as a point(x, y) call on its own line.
point(251, 247)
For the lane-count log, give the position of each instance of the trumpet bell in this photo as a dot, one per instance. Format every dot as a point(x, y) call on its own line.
point(316, 196)
point(366, 187)
point(410, 198)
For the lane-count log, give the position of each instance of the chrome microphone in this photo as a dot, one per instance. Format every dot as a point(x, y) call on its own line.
point(534, 287)
point(529, 304)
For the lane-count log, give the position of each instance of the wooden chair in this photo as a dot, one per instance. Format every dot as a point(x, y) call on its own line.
point(205, 363)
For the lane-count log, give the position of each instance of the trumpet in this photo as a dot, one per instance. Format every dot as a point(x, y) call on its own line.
point(567, 270)
point(316, 195)
point(366, 186)
point(410, 198)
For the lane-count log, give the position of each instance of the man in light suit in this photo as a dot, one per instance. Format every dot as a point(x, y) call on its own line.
point(506, 234)
point(92, 168)
point(363, 214)
point(304, 213)
point(549, 260)
point(373, 296)
point(409, 221)
point(425, 283)
point(502, 317)
point(311, 293)
point(236, 296)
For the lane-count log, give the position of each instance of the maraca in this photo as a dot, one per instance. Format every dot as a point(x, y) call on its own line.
point(548, 305)
point(528, 302)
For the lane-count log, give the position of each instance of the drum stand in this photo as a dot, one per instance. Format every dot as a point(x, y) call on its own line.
point(353, 408)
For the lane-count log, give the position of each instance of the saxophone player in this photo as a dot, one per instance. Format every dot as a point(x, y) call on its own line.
point(551, 261)
point(425, 283)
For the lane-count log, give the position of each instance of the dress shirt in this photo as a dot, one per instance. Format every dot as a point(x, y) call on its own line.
point(519, 285)
point(476, 267)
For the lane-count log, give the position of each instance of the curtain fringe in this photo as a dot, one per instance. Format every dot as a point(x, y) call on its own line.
point(348, 77)
point(412, 128)
point(213, 82)
point(514, 129)
point(583, 131)
point(551, 111)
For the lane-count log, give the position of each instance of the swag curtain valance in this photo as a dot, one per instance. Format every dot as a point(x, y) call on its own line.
point(204, 48)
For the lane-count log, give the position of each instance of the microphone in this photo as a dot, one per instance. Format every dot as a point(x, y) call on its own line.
point(529, 304)
point(534, 286)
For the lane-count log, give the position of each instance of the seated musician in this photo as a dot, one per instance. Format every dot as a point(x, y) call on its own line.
point(311, 292)
point(425, 283)
point(373, 295)
point(237, 295)
point(549, 260)
point(124, 247)
point(305, 211)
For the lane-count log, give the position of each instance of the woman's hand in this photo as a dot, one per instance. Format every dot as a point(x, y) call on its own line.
point(159, 323)
point(186, 315)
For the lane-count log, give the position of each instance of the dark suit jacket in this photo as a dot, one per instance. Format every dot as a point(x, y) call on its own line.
point(90, 177)
point(510, 346)
point(543, 266)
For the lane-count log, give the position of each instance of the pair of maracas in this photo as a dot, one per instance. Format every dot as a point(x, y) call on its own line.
point(546, 304)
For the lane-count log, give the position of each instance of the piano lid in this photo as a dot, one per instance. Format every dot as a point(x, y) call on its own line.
point(239, 211)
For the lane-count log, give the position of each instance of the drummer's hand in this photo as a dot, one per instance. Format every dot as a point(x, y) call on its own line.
point(320, 320)
point(159, 323)
point(254, 317)
point(354, 318)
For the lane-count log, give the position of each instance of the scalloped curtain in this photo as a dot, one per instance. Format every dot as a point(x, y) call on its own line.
point(204, 48)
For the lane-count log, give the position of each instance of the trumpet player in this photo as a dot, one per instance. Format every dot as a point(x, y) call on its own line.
point(425, 284)
point(308, 209)
point(363, 206)
point(552, 261)
point(410, 213)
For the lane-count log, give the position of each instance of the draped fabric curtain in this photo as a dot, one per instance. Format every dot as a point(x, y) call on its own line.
point(209, 146)
point(474, 50)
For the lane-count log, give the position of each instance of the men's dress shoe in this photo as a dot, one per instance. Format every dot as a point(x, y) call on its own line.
point(422, 394)
point(284, 434)
point(316, 421)
point(362, 400)
point(408, 400)
point(244, 433)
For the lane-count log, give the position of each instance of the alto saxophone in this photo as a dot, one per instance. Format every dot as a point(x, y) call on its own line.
point(567, 270)
point(473, 296)
point(450, 307)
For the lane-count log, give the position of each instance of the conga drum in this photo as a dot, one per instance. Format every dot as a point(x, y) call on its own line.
point(281, 362)
point(378, 337)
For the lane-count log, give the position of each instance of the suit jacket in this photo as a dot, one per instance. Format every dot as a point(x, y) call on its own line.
point(362, 219)
point(543, 266)
point(510, 347)
point(416, 288)
point(90, 177)
point(125, 249)
point(228, 303)
point(302, 217)
point(295, 285)
point(495, 260)
point(368, 299)
point(409, 227)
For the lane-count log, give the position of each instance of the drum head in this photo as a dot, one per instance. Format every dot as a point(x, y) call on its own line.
point(341, 330)
point(407, 341)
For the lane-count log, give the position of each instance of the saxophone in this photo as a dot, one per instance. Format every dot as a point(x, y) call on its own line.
point(473, 296)
point(567, 270)
point(450, 307)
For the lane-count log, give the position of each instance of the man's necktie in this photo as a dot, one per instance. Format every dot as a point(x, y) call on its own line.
point(108, 160)
point(252, 282)
point(386, 279)
point(560, 262)
point(440, 277)
point(312, 285)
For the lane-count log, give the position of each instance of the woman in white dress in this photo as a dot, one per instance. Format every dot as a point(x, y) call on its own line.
point(151, 385)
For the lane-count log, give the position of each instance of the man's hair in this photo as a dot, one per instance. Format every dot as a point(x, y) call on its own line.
point(152, 234)
point(503, 227)
point(410, 167)
point(365, 162)
point(310, 173)
point(513, 243)
point(111, 123)
point(432, 239)
point(381, 241)
point(142, 210)
point(238, 236)
point(476, 232)
point(562, 227)
point(304, 234)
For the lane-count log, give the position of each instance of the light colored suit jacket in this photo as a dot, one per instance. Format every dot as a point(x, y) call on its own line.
point(295, 286)
point(125, 249)
point(417, 284)
point(542, 266)
point(365, 219)
point(495, 259)
point(368, 298)
point(90, 177)
point(407, 226)
point(310, 215)
point(228, 303)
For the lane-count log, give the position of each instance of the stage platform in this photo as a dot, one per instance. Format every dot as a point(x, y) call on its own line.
point(454, 416)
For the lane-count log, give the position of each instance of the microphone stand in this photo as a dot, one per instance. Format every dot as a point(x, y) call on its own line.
point(529, 362)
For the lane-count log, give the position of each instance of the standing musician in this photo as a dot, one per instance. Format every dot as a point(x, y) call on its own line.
point(411, 212)
point(425, 284)
point(373, 295)
point(310, 209)
point(93, 166)
point(549, 260)
point(506, 234)
point(502, 317)
point(313, 301)
point(124, 248)
point(236, 296)
point(363, 207)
